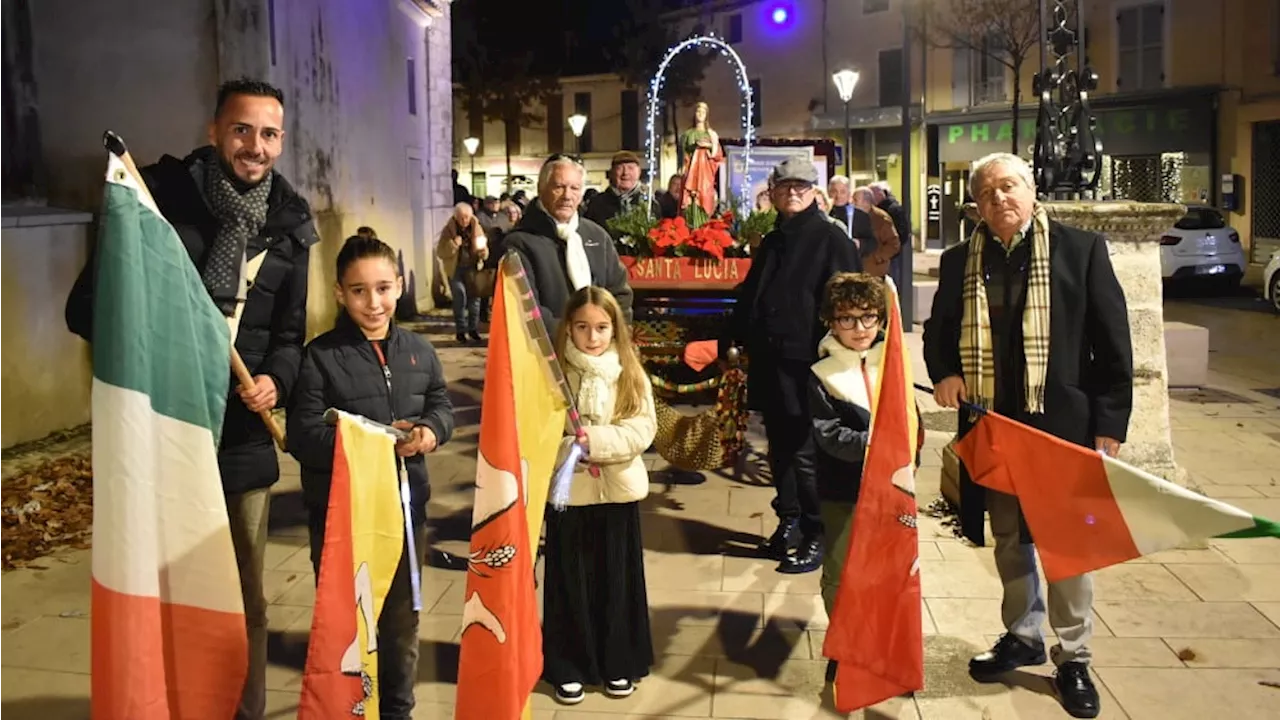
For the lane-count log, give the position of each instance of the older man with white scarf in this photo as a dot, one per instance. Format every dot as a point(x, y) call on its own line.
point(561, 251)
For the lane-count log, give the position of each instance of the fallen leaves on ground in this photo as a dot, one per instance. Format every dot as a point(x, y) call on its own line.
point(47, 507)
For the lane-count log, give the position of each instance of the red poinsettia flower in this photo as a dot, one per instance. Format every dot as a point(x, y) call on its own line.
point(712, 238)
point(669, 234)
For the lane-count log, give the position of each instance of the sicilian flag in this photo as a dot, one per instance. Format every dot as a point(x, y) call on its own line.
point(521, 426)
point(364, 536)
point(1087, 510)
point(875, 634)
point(168, 632)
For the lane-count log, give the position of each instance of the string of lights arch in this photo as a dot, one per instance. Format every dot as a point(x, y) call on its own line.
point(704, 42)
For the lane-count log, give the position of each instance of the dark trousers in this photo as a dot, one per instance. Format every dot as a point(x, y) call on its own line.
point(397, 626)
point(792, 461)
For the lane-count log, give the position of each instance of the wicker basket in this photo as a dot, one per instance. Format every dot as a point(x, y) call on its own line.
point(711, 439)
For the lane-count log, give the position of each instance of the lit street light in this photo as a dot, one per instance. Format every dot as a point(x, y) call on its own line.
point(578, 123)
point(846, 80)
point(472, 144)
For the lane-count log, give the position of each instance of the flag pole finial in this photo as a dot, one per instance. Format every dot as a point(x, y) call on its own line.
point(113, 143)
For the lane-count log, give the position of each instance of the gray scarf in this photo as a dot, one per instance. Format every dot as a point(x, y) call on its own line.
point(240, 218)
point(628, 199)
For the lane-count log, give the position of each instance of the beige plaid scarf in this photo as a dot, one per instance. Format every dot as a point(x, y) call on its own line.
point(977, 357)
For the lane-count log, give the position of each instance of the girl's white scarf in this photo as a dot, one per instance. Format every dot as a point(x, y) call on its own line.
point(599, 376)
point(575, 256)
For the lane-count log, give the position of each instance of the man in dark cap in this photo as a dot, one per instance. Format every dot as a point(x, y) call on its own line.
point(624, 193)
point(775, 319)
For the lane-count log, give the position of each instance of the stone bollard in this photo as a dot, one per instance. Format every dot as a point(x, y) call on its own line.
point(1133, 233)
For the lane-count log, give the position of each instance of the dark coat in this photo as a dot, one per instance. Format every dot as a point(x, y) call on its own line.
point(274, 322)
point(341, 370)
point(840, 433)
point(542, 253)
point(608, 205)
point(775, 313)
point(1089, 383)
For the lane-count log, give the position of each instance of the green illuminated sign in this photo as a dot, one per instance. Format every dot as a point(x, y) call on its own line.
point(1124, 131)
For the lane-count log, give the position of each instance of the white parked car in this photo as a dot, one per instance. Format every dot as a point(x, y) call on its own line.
point(1271, 281)
point(1201, 246)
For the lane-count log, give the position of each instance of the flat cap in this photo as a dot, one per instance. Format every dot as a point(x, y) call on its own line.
point(624, 156)
point(795, 168)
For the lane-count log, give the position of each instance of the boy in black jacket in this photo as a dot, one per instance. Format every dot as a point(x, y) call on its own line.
point(368, 366)
point(842, 386)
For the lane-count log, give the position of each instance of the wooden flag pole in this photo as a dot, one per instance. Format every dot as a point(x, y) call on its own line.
point(116, 147)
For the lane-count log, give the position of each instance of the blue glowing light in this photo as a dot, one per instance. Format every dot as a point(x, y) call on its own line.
point(779, 15)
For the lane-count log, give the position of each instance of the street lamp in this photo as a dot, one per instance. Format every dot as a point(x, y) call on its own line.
point(578, 123)
point(472, 144)
point(846, 80)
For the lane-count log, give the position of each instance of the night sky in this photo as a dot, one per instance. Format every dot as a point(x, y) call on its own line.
point(570, 37)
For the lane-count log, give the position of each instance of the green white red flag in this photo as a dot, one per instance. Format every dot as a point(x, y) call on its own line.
point(168, 632)
point(1086, 510)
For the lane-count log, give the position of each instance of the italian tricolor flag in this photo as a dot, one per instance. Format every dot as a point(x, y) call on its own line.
point(168, 633)
point(1087, 511)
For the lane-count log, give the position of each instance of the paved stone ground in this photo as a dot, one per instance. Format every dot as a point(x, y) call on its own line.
point(1187, 633)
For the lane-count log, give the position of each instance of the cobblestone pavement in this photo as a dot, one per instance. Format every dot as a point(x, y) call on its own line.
point(1189, 633)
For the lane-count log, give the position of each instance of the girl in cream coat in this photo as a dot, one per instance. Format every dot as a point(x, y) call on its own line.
point(595, 608)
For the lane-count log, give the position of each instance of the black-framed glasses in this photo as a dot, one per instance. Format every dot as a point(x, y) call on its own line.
point(557, 157)
point(869, 321)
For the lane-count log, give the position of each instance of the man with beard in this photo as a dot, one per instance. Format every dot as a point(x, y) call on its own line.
point(249, 234)
point(562, 252)
point(624, 192)
point(775, 317)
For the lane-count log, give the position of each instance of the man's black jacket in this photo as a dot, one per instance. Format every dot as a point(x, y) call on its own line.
point(274, 322)
point(534, 239)
point(1089, 384)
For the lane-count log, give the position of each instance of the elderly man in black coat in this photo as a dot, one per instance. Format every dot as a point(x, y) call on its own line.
point(1029, 320)
point(775, 318)
point(250, 235)
point(562, 251)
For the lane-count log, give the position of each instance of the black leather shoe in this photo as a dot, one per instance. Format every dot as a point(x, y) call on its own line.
point(1008, 654)
point(1075, 689)
point(782, 541)
point(475, 337)
point(808, 558)
point(461, 338)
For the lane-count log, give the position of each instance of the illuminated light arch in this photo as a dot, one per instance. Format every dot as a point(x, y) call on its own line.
point(744, 85)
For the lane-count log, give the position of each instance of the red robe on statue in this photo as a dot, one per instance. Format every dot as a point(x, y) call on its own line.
point(701, 165)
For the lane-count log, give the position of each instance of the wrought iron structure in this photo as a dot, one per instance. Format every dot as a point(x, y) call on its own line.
point(1068, 152)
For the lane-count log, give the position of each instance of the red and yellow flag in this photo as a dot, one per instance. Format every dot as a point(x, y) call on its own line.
point(875, 633)
point(363, 541)
point(521, 425)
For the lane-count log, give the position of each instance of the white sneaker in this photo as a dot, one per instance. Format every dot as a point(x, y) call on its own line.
point(619, 688)
point(570, 693)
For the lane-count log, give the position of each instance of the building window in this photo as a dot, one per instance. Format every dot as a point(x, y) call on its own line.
point(1275, 37)
point(891, 77)
point(555, 123)
point(582, 106)
point(874, 6)
point(989, 84)
point(734, 32)
point(271, 28)
point(1140, 42)
point(411, 70)
point(630, 120)
point(757, 115)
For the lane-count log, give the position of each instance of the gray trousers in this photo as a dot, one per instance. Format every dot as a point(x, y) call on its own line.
point(247, 513)
point(1070, 610)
